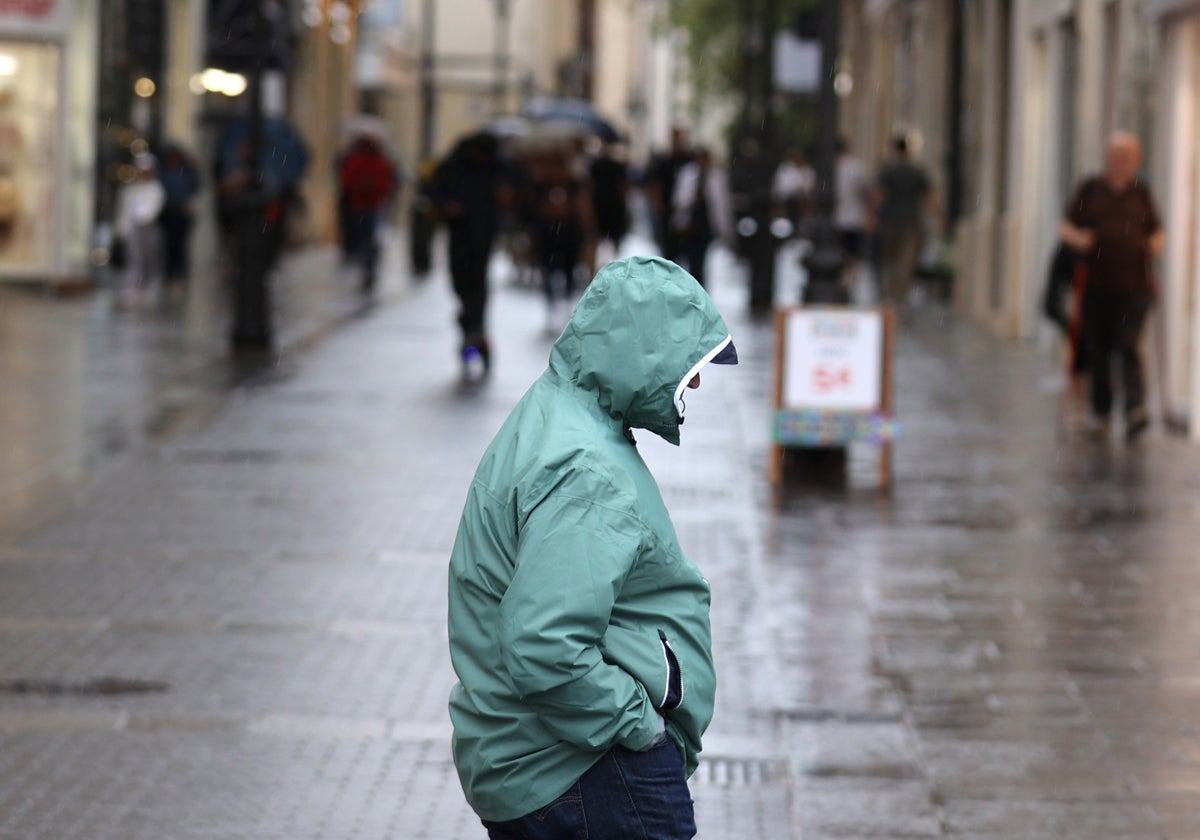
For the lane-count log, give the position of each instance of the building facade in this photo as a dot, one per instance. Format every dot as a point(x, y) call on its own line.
point(1034, 88)
point(1175, 28)
point(438, 70)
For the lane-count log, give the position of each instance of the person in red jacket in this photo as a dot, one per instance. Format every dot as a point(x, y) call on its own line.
point(367, 180)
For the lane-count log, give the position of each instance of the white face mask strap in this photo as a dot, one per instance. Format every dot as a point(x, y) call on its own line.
point(680, 405)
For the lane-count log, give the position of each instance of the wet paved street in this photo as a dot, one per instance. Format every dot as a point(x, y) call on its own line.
point(1005, 645)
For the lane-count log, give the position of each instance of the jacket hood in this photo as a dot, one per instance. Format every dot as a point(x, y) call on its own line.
point(641, 331)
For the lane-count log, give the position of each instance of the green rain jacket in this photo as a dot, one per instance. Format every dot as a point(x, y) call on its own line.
point(575, 620)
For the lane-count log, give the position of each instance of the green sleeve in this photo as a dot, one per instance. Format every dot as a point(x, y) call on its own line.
point(574, 552)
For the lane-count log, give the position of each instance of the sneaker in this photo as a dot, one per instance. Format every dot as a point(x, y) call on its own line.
point(1136, 424)
point(472, 364)
point(476, 358)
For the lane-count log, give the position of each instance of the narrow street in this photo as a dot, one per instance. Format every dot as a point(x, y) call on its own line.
point(222, 591)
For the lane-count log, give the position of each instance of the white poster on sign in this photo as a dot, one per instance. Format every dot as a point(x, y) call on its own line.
point(833, 360)
point(797, 64)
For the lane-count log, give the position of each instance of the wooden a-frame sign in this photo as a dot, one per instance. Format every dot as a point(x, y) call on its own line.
point(833, 381)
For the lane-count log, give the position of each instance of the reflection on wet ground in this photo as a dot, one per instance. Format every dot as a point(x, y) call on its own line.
point(87, 378)
point(1019, 615)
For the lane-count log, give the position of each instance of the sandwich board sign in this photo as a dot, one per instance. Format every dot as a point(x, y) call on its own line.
point(833, 381)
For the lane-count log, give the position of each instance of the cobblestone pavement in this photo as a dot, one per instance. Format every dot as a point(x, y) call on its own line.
point(230, 622)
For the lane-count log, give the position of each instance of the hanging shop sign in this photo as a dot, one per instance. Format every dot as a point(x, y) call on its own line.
point(833, 381)
point(34, 19)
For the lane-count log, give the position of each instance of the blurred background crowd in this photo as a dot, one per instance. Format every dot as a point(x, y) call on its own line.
point(1003, 106)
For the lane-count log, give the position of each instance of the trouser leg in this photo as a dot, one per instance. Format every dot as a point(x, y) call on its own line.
point(1129, 335)
point(909, 252)
point(696, 254)
point(468, 272)
point(1098, 339)
point(624, 796)
point(901, 246)
point(889, 246)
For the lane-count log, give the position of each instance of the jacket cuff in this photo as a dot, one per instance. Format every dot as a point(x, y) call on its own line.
point(648, 730)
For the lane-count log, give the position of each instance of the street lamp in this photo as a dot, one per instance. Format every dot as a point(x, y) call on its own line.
point(251, 327)
point(500, 82)
point(755, 161)
point(428, 103)
point(825, 261)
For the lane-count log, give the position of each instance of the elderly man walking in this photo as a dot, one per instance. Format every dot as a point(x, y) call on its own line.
point(1112, 221)
point(578, 629)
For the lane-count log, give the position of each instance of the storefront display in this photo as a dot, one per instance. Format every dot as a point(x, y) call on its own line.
point(40, 237)
point(29, 151)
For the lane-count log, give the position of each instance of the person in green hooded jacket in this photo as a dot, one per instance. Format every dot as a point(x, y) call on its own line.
point(578, 629)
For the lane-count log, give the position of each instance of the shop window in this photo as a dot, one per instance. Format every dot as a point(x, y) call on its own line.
point(29, 156)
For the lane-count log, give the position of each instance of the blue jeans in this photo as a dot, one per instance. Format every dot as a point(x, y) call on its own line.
point(625, 796)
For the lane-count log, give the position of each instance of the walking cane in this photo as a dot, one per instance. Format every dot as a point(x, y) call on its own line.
point(1159, 334)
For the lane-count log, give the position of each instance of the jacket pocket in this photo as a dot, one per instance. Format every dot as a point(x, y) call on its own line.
point(646, 655)
point(673, 695)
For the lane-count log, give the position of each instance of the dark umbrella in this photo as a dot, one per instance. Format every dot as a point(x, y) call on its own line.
point(570, 116)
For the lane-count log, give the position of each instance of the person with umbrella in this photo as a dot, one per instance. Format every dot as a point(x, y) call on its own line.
point(610, 195)
point(283, 161)
point(563, 209)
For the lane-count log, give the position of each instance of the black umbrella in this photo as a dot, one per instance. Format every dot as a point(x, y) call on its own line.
point(570, 116)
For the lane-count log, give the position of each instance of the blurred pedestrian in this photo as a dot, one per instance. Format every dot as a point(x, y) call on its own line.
point(1112, 221)
point(661, 174)
point(851, 209)
point(423, 220)
point(575, 620)
point(564, 218)
point(463, 189)
point(367, 182)
point(794, 187)
point(242, 184)
point(903, 194)
point(180, 179)
point(610, 196)
point(701, 211)
point(139, 206)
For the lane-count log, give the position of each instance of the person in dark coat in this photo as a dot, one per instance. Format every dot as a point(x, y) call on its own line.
point(1112, 221)
point(661, 173)
point(903, 199)
point(180, 178)
point(563, 220)
point(610, 197)
point(464, 188)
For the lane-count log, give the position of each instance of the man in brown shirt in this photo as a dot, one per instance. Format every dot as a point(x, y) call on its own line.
point(1112, 221)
